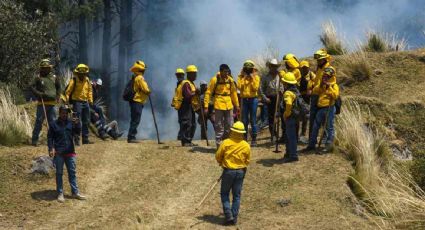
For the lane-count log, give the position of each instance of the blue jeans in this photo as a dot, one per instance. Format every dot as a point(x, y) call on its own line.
point(231, 180)
point(320, 120)
point(82, 109)
point(291, 137)
point(136, 114)
point(264, 114)
point(249, 114)
point(51, 116)
point(99, 111)
point(313, 111)
point(71, 168)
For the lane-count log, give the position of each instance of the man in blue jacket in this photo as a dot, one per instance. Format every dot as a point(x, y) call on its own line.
point(61, 147)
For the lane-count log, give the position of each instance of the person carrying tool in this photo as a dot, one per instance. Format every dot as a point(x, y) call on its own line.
point(328, 92)
point(249, 84)
point(222, 91)
point(307, 76)
point(323, 61)
point(233, 156)
point(180, 77)
point(187, 104)
point(61, 147)
point(79, 93)
point(270, 88)
point(46, 87)
point(210, 113)
point(139, 92)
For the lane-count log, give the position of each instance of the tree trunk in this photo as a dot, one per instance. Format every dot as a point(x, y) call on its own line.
point(106, 58)
point(82, 36)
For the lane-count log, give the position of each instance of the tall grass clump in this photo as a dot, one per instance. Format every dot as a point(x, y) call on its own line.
point(264, 57)
point(15, 125)
point(356, 66)
point(384, 187)
point(331, 40)
point(384, 42)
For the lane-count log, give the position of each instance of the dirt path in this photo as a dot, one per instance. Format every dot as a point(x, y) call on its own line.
point(148, 186)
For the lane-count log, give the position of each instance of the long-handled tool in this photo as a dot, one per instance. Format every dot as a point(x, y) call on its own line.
point(154, 120)
point(209, 191)
point(277, 118)
point(204, 122)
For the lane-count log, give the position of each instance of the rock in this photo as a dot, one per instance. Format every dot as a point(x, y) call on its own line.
point(284, 202)
point(42, 165)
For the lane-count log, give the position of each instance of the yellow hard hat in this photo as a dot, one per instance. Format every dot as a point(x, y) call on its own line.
point(288, 56)
point(82, 68)
point(138, 67)
point(179, 71)
point(249, 64)
point(289, 78)
point(304, 64)
point(320, 54)
point(191, 69)
point(45, 63)
point(238, 127)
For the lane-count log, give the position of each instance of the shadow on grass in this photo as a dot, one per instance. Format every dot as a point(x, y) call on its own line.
point(46, 195)
point(269, 162)
point(213, 219)
point(201, 149)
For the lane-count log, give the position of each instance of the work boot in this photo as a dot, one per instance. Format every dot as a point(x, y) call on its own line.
point(34, 143)
point(327, 149)
point(86, 141)
point(254, 141)
point(288, 159)
point(102, 135)
point(133, 141)
point(78, 196)
point(308, 149)
point(61, 198)
point(229, 220)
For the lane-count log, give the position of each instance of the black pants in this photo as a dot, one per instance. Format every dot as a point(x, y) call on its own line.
point(136, 113)
point(187, 122)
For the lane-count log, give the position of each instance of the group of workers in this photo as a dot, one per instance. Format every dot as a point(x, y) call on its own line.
point(295, 97)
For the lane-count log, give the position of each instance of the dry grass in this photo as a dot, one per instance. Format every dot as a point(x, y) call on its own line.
point(15, 125)
point(356, 67)
point(384, 42)
point(261, 59)
point(385, 188)
point(331, 40)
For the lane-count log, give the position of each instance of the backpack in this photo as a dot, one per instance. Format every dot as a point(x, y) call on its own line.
point(338, 104)
point(128, 94)
point(300, 109)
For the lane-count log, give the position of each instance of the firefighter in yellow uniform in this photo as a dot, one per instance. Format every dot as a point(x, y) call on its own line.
point(180, 77)
point(323, 61)
point(233, 155)
point(79, 93)
point(289, 97)
point(141, 94)
point(223, 92)
point(292, 65)
point(187, 104)
point(307, 77)
point(249, 85)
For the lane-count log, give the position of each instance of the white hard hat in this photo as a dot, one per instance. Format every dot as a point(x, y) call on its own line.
point(99, 82)
point(273, 62)
point(203, 83)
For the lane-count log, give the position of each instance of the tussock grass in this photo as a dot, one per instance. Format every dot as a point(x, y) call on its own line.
point(356, 66)
point(262, 59)
point(385, 188)
point(15, 125)
point(331, 40)
point(384, 42)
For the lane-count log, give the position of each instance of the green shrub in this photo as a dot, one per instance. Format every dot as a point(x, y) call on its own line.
point(330, 39)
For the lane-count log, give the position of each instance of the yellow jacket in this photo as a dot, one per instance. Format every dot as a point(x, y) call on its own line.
point(289, 98)
point(248, 85)
point(234, 152)
point(82, 91)
point(224, 93)
point(327, 95)
point(141, 89)
point(318, 78)
point(178, 98)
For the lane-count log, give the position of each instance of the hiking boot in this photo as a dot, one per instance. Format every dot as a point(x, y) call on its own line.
point(189, 145)
point(229, 220)
point(308, 149)
point(289, 159)
point(254, 141)
point(87, 142)
point(118, 135)
point(61, 198)
point(78, 196)
point(102, 136)
point(77, 140)
point(326, 149)
point(303, 140)
point(133, 141)
point(34, 143)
